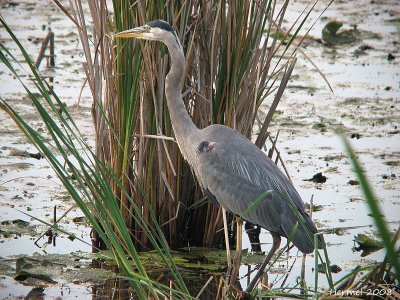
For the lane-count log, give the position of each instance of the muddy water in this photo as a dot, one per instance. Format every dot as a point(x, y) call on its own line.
point(365, 105)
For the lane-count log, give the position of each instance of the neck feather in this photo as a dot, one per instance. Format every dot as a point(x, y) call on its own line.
point(186, 133)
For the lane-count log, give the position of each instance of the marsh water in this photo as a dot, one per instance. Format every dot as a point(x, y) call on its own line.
point(365, 104)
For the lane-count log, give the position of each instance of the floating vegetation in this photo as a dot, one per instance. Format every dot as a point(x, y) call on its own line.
point(365, 241)
point(319, 126)
point(332, 36)
point(16, 227)
point(317, 178)
point(51, 268)
point(333, 268)
point(353, 182)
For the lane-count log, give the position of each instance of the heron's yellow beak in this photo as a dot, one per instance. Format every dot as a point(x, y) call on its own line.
point(138, 32)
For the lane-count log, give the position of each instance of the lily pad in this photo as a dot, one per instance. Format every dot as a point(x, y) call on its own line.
point(332, 36)
point(367, 245)
point(366, 241)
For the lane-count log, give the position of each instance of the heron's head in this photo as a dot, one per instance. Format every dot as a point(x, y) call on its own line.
point(157, 30)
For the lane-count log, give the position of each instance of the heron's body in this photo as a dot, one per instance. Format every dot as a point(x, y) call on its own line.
point(231, 170)
point(235, 172)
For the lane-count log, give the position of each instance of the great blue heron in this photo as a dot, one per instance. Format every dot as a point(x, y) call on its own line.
point(232, 171)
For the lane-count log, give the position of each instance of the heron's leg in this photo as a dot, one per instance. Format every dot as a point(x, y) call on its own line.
point(238, 254)
point(275, 246)
point(228, 253)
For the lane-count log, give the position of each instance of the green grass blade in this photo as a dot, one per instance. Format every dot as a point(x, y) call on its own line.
point(375, 210)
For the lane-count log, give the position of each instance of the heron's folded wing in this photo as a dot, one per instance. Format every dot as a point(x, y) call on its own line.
point(241, 183)
point(236, 157)
point(237, 173)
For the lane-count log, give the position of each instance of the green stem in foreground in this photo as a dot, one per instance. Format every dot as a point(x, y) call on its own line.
point(374, 208)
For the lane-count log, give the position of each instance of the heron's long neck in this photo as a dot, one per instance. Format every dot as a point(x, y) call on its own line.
point(186, 133)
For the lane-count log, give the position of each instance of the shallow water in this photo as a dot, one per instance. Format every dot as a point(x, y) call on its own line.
point(365, 102)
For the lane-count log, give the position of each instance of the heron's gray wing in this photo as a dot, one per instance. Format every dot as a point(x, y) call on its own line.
point(225, 152)
point(237, 173)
